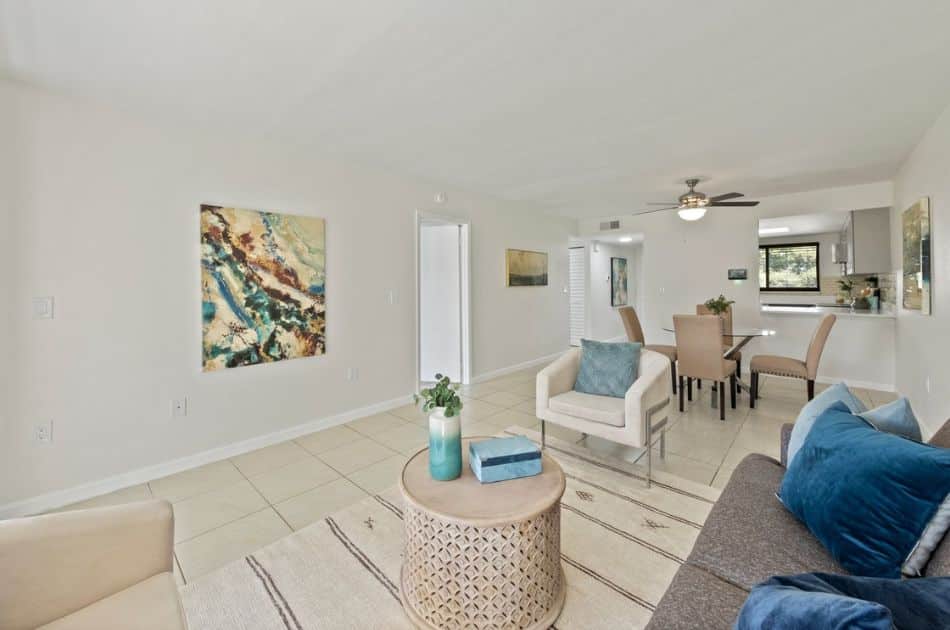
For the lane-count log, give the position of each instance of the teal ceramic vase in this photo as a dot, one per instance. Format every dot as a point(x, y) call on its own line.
point(445, 446)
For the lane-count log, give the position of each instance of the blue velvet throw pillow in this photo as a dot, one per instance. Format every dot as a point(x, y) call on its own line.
point(839, 602)
point(895, 417)
point(607, 369)
point(879, 503)
point(838, 392)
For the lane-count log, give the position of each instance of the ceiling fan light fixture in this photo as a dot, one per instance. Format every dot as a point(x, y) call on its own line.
point(692, 214)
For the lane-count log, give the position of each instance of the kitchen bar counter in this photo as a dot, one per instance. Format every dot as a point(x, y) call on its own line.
point(860, 349)
point(821, 310)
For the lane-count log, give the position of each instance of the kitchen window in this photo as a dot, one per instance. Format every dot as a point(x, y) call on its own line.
point(791, 267)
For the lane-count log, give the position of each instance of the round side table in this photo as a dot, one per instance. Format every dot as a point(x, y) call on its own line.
point(482, 555)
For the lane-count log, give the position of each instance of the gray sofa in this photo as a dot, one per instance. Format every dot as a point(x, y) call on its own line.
point(749, 537)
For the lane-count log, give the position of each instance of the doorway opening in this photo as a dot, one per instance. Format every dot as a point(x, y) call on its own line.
point(577, 292)
point(443, 304)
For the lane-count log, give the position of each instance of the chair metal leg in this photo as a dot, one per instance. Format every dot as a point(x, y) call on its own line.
point(722, 400)
point(682, 391)
point(542, 434)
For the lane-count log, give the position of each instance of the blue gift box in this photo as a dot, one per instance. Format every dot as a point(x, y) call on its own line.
point(500, 459)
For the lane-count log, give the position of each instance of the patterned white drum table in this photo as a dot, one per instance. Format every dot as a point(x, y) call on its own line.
point(482, 555)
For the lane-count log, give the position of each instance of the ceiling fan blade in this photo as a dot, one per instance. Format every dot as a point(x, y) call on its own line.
point(652, 210)
point(732, 195)
point(736, 203)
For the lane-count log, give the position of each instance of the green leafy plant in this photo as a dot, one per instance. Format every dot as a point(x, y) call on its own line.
point(443, 394)
point(846, 286)
point(719, 305)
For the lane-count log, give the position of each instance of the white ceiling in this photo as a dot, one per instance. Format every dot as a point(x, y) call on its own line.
point(588, 108)
point(800, 224)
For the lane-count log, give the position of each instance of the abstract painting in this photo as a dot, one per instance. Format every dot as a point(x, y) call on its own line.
point(618, 281)
point(526, 269)
point(262, 287)
point(915, 223)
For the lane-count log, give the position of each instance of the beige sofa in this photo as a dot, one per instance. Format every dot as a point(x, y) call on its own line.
point(99, 568)
point(631, 420)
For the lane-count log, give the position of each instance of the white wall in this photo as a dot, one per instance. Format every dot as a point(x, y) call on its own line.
point(440, 324)
point(685, 263)
point(603, 321)
point(922, 341)
point(103, 214)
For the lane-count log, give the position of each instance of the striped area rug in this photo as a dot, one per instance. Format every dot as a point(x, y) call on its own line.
point(621, 544)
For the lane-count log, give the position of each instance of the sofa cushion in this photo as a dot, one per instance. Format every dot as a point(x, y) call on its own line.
point(697, 598)
point(607, 369)
point(869, 495)
point(895, 417)
point(780, 366)
point(603, 409)
point(149, 605)
point(749, 536)
point(838, 392)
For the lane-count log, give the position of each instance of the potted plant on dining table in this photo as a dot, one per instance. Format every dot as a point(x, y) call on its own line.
point(718, 306)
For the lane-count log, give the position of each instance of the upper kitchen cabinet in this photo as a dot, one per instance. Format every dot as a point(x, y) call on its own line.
point(866, 241)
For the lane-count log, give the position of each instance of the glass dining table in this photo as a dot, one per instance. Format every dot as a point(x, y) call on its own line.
point(740, 336)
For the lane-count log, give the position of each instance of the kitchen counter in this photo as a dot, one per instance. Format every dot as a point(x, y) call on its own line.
point(821, 310)
point(860, 349)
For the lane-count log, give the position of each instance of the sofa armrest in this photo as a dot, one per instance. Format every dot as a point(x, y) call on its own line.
point(649, 391)
point(557, 378)
point(786, 436)
point(56, 564)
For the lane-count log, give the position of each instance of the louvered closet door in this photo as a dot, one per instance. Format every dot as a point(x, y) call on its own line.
point(577, 282)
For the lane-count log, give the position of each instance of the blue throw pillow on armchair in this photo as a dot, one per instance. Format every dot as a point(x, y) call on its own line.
point(607, 369)
point(879, 503)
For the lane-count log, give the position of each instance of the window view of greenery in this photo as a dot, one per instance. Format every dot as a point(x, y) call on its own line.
point(788, 267)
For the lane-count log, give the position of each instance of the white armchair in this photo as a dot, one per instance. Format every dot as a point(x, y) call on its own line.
point(632, 420)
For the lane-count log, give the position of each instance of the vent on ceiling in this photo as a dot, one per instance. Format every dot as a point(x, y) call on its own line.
point(610, 225)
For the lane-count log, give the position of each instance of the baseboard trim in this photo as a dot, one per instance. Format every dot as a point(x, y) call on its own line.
point(831, 380)
point(487, 376)
point(67, 496)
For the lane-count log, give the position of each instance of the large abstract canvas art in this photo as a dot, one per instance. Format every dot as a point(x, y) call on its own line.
point(263, 287)
point(618, 281)
point(915, 224)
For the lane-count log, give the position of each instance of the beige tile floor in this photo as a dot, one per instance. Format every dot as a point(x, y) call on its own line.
point(230, 508)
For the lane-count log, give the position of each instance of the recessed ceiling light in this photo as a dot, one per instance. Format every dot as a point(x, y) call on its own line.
point(775, 230)
point(626, 239)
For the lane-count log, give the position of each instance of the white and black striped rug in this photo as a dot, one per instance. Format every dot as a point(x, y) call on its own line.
point(621, 543)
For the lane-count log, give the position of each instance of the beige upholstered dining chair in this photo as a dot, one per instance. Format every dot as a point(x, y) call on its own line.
point(107, 567)
point(793, 368)
point(727, 340)
point(631, 324)
point(699, 347)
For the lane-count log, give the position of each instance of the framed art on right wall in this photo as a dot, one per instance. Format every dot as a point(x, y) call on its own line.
point(915, 230)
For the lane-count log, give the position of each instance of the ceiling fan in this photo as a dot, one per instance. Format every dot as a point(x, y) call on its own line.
point(692, 204)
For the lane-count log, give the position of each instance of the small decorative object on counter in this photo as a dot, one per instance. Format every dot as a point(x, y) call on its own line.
point(445, 431)
point(500, 459)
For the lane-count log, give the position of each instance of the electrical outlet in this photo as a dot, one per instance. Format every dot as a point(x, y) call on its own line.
point(179, 407)
point(352, 374)
point(43, 432)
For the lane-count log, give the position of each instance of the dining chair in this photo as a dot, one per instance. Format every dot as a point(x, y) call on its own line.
point(699, 349)
point(727, 339)
point(792, 368)
point(631, 324)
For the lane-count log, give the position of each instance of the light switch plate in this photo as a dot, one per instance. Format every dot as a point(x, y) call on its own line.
point(43, 307)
